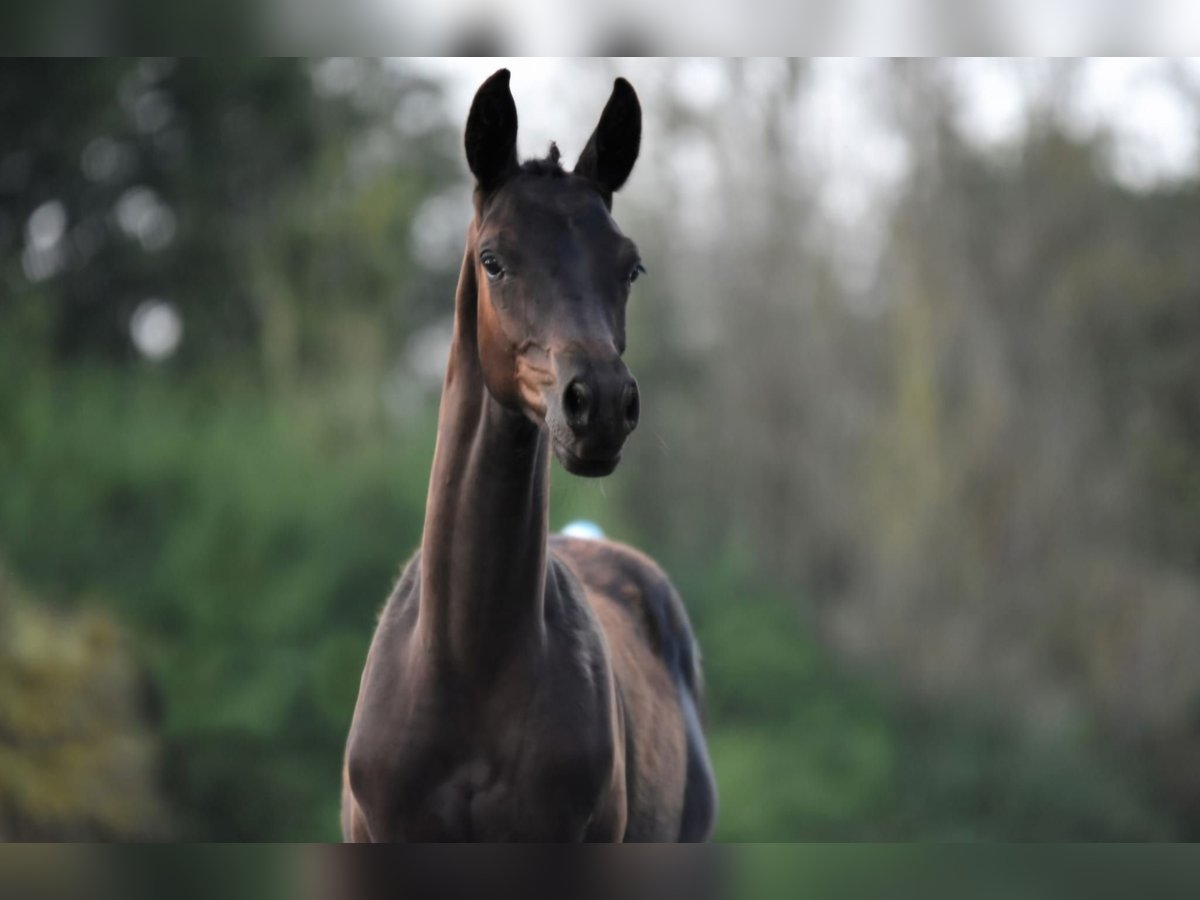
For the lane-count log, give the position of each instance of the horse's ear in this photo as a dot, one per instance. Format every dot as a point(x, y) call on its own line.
point(612, 149)
point(491, 135)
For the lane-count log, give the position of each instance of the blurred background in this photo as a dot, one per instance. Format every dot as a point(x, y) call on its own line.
point(919, 351)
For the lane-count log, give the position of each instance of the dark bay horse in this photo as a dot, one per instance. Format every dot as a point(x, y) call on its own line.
point(522, 686)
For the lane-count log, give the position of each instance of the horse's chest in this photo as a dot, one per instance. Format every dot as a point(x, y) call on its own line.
point(482, 798)
point(474, 800)
point(528, 755)
point(526, 774)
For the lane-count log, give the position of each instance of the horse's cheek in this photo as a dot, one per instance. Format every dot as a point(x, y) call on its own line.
point(498, 357)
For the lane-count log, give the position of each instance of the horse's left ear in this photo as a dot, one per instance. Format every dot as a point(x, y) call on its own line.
point(491, 135)
point(612, 149)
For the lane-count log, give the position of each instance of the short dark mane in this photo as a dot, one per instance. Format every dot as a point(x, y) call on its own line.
point(550, 164)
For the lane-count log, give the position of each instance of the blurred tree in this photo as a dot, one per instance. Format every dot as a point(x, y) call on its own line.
point(1030, 523)
point(247, 202)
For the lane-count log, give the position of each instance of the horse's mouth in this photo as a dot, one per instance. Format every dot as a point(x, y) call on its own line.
point(589, 467)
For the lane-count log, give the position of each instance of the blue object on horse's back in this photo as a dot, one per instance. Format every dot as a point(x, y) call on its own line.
point(582, 528)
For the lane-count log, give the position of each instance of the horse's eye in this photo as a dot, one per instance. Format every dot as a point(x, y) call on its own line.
point(491, 265)
point(636, 272)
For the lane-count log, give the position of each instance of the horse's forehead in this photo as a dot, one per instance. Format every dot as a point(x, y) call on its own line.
point(554, 204)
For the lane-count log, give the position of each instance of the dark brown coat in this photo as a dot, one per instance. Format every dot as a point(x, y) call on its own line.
point(522, 686)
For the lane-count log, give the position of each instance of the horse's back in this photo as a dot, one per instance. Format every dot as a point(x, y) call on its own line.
point(672, 794)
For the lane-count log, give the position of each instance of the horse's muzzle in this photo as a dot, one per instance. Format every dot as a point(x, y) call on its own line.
point(597, 409)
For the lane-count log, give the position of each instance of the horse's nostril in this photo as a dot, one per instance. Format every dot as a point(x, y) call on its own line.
point(577, 404)
point(633, 406)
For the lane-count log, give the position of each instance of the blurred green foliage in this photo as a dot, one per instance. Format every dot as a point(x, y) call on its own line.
point(249, 545)
point(807, 750)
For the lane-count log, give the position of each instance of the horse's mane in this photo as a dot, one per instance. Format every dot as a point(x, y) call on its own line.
point(550, 164)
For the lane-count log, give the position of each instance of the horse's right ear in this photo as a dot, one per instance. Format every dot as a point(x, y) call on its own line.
point(491, 136)
point(611, 151)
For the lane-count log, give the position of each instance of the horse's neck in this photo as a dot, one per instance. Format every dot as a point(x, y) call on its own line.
point(483, 551)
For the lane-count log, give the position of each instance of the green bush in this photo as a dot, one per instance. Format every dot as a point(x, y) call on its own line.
point(79, 756)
